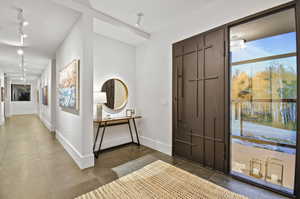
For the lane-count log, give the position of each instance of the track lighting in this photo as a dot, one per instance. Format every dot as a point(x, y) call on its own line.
point(20, 51)
point(139, 19)
point(22, 35)
point(25, 23)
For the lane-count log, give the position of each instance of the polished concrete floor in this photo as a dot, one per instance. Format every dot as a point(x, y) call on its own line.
point(33, 165)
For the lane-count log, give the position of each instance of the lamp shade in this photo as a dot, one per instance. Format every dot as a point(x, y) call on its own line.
point(100, 97)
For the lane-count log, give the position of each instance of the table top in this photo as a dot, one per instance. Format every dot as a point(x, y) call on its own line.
point(114, 119)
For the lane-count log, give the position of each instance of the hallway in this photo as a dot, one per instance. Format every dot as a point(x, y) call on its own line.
point(33, 164)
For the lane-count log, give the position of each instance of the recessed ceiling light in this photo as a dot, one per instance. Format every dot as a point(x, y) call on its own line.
point(20, 51)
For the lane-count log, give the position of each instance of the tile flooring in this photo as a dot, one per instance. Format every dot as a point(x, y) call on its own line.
point(33, 165)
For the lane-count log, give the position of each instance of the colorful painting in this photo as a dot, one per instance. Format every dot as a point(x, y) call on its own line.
point(37, 96)
point(69, 87)
point(45, 95)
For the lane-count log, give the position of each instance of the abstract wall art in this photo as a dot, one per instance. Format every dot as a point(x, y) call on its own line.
point(69, 87)
point(45, 95)
point(37, 96)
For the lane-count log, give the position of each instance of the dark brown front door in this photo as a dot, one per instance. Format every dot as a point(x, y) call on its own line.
point(198, 90)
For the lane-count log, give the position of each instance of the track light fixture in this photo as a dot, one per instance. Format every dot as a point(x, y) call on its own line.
point(139, 19)
point(20, 51)
point(20, 17)
point(25, 23)
point(22, 23)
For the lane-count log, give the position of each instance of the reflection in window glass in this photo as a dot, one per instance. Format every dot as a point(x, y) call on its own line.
point(270, 46)
point(263, 104)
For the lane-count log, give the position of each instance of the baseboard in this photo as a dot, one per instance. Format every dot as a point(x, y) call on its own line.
point(83, 162)
point(22, 113)
point(46, 123)
point(159, 146)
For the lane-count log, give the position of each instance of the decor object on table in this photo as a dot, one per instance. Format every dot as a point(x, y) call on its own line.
point(161, 180)
point(130, 112)
point(45, 95)
point(99, 100)
point(117, 95)
point(20, 92)
point(69, 87)
point(108, 116)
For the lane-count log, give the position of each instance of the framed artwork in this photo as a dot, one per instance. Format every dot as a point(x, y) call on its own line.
point(2, 94)
point(69, 87)
point(45, 95)
point(20, 92)
point(37, 96)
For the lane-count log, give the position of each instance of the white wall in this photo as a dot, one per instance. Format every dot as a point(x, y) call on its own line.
point(22, 108)
point(154, 65)
point(75, 131)
point(114, 59)
point(47, 112)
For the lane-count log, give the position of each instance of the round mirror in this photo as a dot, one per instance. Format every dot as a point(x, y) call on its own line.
point(116, 94)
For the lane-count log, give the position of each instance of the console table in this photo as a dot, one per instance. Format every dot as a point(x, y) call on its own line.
point(107, 122)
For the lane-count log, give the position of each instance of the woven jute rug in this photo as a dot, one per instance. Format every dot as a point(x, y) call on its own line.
point(161, 180)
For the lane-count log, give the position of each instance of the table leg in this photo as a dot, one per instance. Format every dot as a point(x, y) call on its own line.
point(97, 134)
point(136, 132)
point(130, 130)
point(101, 140)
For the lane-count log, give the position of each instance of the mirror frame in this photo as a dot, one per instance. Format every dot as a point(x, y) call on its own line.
point(117, 110)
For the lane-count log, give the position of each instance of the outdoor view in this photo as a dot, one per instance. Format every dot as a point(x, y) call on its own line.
point(263, 110)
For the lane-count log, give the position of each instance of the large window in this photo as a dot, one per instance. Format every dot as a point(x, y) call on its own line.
point(20, 92)
point(263, 100)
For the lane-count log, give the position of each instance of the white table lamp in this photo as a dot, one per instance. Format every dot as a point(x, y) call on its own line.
point(99, 100)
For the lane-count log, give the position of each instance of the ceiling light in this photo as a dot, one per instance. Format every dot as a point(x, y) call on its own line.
point(139, 19)
point(25, 23)
point(20, 51)
point(24, 35)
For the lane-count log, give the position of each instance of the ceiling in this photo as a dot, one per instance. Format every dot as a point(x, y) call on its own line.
point(157, 13)
point(275, 24)
point(117, 33)
point(49, 23)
